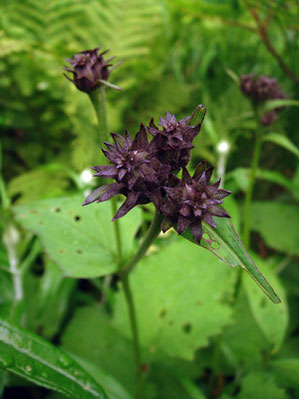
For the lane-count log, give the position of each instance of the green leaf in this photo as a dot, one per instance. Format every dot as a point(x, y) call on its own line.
point(48, 180)
point(198, 116)
point(224, 242)
point(272, 320)
point(286, 372)
point(283, 141)
point(260, 385)
point(181, 299)
point(36, 360)
point(272, 104)
point(248, 352)
point(100, 344)
point(80, 240)
point(277, 223)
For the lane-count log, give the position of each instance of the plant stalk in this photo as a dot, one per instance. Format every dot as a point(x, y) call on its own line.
point(249, 193)
point(98, 100)
point(150, 237)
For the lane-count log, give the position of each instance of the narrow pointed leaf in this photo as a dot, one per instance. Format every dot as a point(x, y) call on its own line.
point(224, 242)
point(283, 141)
point(272, 104)
point(110, 85)
point(197, 116)
point(36, 360)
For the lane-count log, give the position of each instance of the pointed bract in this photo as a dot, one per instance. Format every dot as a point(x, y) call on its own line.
point(192, 200)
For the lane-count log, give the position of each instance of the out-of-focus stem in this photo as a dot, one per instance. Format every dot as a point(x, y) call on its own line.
point(252, 177)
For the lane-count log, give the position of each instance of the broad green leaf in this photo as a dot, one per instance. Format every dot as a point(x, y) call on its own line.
point(80, 240)
point(36, 360)
point(249, 351)
point(224, 242)
point(286, 372)
point(48, 180)
point(278, 223)
point(283, 141)
point(91, 336)
point(241, 177)
point(272, 320)
point(181, 296)
point(103, 346)
point(272, 104)
point(258, 385)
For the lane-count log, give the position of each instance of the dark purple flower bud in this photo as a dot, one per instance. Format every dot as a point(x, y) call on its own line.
point(193, 200)
point(260, 89)
point(137, 175)
point(90, 70)
point(268, 118)
point(173, 143)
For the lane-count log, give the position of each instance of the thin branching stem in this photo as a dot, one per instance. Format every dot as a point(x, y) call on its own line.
point(150, 237)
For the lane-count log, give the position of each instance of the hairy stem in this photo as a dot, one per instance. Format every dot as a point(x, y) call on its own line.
point(249, 193)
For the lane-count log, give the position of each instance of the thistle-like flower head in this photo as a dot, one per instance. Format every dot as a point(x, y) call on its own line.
point(193, 200)
point(137, 174)
point(90, 70)
point(173, 143)
point(260, 89)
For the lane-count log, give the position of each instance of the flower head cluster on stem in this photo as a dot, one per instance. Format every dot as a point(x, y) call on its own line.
point(260, 89)
point(90, 70)
point(145, 171)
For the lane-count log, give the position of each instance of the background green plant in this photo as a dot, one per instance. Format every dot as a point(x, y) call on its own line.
point(204, 333)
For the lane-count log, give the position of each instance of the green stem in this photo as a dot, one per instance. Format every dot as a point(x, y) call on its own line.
point(150, 237)
point(97, 98)
point(117, 233)
point(133, 320)
point(249, 193)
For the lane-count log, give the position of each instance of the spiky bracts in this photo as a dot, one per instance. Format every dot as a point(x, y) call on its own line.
point(145, 172)
point(173, 143)
point(193, 200)
point(90, 70)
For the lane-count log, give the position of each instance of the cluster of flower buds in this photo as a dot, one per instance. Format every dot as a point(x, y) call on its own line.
point(261, 89)
point(145, 171)
point(90, 70)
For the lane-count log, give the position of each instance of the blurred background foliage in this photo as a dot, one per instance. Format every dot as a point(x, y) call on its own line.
point(177, 54)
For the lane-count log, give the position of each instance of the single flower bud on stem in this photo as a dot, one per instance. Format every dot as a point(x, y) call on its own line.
point(258, 89)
